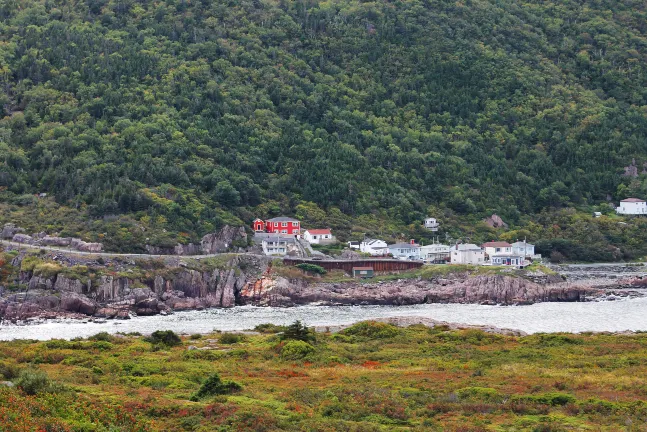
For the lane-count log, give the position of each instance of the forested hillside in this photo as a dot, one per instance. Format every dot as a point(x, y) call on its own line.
point(177, 116)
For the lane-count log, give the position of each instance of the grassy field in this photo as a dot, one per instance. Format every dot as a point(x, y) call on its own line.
point(370, 377)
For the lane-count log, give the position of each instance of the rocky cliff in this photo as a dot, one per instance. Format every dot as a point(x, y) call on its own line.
point(113, 294)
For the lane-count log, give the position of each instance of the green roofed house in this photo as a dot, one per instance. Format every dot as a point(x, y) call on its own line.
point(363, 272)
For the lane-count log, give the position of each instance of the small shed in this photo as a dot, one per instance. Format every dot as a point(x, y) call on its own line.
point(363, 272)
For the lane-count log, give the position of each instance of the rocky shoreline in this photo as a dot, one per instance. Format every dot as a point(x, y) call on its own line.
point(58, 286)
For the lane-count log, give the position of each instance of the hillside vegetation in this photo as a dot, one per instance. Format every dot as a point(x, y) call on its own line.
point(175, 117)
point(370, 377)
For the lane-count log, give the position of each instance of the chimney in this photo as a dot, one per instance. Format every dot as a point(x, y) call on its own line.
point(412, 241)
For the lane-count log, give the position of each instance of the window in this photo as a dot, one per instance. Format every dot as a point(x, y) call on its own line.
point(284, 231)
point(284, 224)
point(295, 224)
point(314, 237)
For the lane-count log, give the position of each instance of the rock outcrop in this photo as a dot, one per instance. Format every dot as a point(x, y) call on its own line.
point(227, 239)
point(494, 289)
point(112, 296)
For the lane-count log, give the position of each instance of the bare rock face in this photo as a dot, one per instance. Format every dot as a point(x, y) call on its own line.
point(217, 242)
point(23, 238)
point(9, 230)
point(495, 221)
point(55, 241)
point(223, 240)
point(494, 289)
point(65, 284)
point(73, 302)
point(82, 246)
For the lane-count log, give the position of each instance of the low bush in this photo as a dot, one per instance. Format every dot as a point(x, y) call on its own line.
point(311, 268)
point(32, 382)
point(270, 328)
point(372, 330)
point(231, 338)
point(165, 338)
point(298, 331)
point(296, 350)
point(103, 336)
point(214, 386)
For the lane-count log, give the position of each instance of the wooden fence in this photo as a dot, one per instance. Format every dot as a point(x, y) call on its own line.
point(379, 265)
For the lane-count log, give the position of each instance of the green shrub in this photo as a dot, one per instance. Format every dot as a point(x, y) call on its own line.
point(8, 371)
point(311, 268)
point(214, 386)
point(270, 328)
point(296, 350)
point(32, 381)
point(298, 331)
point(166, 338)
point(231, 338)
point(372, 330)
point(196, 336)
point(103, 336)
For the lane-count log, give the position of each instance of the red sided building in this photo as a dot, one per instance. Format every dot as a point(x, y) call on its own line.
point(278, 225)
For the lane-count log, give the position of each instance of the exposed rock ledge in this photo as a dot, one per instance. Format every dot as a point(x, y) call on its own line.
point(489, 289)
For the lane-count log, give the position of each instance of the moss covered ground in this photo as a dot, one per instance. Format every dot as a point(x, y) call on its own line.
point(371, 377)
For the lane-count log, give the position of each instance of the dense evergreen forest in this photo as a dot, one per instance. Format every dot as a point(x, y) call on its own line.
point(164, 120)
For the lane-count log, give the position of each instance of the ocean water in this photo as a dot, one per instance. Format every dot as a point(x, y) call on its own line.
point(619, 315)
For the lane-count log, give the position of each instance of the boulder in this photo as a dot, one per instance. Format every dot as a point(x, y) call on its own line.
point(23, 238)
point(223, 240)
point(55, 241)
point(73, 302)
point(9, 230)
point(82, 246)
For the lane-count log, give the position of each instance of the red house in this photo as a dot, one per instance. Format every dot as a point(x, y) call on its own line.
point(278, 225)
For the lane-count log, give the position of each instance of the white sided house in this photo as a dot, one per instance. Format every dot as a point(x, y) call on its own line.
point(523, 249)
point(435, 253)
point(496, 247)
point(507, 259)
point(467, 253)
point(632, 206)
point(278, 245)
point(318, 236)
point(406, 251)
point(432, 224)
point(374, 247)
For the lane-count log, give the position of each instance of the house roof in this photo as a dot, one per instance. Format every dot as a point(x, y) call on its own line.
point(404, 245)
point(636, 200)
point(282, 219)
point(466, 247)
point(319, 231)
point(521, 244)
point(258, 220)
point(261, 237)
point(373, 241)
point(362, 268)
point(497, 244)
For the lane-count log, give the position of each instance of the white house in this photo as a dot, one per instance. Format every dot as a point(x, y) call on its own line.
point(374, 247)
point(318, 236)
point(432, 224)
point(507, 259)
point(496, 247)
point(467, 253)
point(632, 206)
point(524, 249)
point(276, 244)
point(409, 250)
point(435, 253)
point(353, 244)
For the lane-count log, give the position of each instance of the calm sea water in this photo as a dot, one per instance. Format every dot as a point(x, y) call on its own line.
point(630, 314)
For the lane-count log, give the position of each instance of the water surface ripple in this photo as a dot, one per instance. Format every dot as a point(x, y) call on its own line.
point(630, 314)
